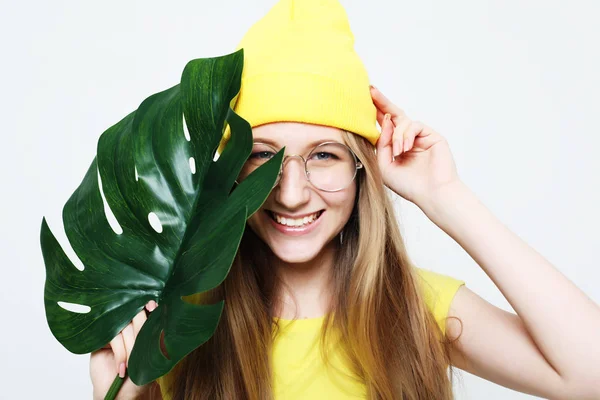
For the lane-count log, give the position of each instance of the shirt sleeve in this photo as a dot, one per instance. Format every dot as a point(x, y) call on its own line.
point(438, 290)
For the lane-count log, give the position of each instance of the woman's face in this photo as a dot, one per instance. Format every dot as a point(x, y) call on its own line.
point(296, 197)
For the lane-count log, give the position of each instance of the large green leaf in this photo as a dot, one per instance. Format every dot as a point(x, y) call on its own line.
point(144, 167)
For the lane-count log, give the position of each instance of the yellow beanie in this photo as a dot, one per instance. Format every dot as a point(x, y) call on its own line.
point(300, 65)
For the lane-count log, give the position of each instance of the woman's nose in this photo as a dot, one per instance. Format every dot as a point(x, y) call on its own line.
point(293, 186)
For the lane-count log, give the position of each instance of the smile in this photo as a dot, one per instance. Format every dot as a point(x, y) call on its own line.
point(295, 226)
point(295, 222)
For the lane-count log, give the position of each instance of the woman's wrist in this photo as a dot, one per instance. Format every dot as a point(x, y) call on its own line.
point(436, 202)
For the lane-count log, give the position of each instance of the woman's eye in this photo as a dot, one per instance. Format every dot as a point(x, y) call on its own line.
point(262, 155)
point(322, 155)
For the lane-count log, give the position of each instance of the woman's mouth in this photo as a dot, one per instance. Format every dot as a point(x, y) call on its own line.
point(296, 226)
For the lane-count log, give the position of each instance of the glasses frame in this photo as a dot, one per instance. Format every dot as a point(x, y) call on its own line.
point(357, 164)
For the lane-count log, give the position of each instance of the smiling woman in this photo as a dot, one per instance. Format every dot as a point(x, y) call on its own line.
point(316, 316)
point(322, 300)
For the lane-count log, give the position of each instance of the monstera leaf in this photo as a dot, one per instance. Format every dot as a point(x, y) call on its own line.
point(157, 165)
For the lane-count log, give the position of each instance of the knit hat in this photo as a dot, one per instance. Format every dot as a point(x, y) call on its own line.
point(300, 65)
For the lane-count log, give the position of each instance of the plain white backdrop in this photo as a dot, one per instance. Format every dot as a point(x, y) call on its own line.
point(513, 85)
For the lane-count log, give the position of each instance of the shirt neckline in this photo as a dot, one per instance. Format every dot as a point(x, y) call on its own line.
point(302, 324)
point(300, 319)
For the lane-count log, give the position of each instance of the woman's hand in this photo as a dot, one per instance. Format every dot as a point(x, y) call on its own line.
point(113, 358)
point(414, 159)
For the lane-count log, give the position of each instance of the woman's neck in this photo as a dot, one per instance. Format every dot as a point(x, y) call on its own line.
point(306, 287)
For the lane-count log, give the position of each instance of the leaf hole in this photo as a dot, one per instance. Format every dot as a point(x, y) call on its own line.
point(192, 165)
point(186, 133)
point(136, 174)
point(64, 242)
point(76, 308)
point(163, 348)
point(155, 222)
point(112, 221)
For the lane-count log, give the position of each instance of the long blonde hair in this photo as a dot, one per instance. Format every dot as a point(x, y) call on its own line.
point(390, 339)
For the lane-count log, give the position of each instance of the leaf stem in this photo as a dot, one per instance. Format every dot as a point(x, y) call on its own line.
point(114, 388)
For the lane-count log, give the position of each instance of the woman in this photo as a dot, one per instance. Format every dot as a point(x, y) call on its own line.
point(322, 300)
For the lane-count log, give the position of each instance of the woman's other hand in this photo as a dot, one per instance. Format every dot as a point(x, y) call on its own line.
point(414, 159)
point(112, 359)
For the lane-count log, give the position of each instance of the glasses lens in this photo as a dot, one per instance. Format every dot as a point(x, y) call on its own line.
point(331, 166)
point(261, 153)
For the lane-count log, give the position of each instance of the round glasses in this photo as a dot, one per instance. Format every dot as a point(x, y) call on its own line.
point(330, 166)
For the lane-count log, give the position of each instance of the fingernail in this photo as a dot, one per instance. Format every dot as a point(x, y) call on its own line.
point(372, 87)
point(122, 370)
point(151, 306)
point(387, 117)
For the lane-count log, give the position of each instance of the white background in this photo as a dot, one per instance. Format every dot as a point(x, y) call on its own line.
point(513, 85)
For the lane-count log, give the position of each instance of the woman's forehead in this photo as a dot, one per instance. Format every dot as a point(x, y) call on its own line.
point(296, 133)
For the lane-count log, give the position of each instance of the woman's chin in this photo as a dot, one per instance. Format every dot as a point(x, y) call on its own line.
point(294, 254)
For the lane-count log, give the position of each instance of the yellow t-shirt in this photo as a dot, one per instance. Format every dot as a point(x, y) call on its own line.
point(299, 372)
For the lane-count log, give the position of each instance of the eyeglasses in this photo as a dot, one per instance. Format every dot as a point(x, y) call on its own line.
point(330, 166)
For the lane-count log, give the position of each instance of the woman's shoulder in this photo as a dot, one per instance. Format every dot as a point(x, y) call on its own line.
point(436, 280)
point(438, 291)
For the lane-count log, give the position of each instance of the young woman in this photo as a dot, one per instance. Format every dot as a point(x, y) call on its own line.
point(322, 301)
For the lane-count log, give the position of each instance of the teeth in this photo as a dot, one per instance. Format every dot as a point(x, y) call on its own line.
point(295, 222)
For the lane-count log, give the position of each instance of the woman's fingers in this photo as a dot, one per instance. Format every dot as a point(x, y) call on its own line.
point(399, 135)
point(128, 339)
point(400, 123)
point(385, 105)
point(395, 139)
point(131, 331)
point(380, 116)
point(138, 322)
point(151, 305)
point(383, 145)
point(412, 132)
point(118, 348)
